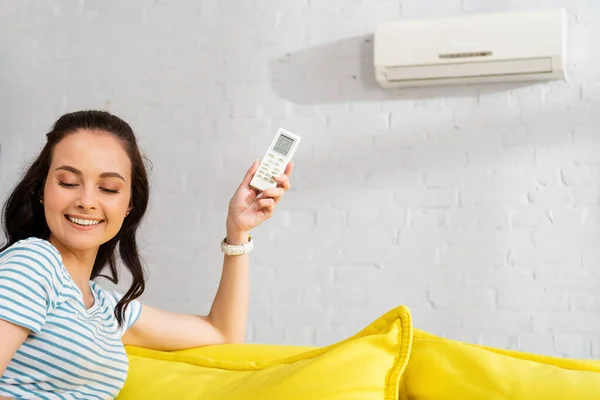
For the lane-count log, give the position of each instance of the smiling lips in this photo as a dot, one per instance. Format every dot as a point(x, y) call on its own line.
point(83, 223)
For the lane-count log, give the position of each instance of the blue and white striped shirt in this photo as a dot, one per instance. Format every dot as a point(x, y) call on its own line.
point(71, 352)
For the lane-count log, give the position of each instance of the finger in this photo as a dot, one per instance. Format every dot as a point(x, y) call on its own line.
point(250, 173)
point(284, 181)
point(266, 206)
point(262, 203)
point(272, 192)
point(289, 168)
point(278, 196)
point(275, 195)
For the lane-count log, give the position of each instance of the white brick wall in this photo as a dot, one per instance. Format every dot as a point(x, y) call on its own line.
point(477, 206)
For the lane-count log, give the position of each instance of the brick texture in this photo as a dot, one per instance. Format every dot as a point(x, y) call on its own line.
point(477, 206)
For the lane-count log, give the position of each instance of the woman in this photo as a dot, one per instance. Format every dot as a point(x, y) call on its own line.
point(62, 335)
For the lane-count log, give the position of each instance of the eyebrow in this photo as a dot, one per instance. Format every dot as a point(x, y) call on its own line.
point(78, 172)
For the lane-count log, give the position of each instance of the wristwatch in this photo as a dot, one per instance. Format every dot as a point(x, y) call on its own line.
point(237, 249)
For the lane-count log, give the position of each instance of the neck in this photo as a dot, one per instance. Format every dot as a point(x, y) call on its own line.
point(79, 263)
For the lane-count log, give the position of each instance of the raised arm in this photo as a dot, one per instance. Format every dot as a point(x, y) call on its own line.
point(227, 320)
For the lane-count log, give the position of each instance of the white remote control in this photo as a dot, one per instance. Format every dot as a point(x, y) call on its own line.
point(280, 153)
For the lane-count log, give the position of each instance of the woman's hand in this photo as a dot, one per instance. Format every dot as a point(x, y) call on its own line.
point(248, 209)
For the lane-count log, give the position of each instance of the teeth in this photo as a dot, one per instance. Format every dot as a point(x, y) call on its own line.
point(83, 221)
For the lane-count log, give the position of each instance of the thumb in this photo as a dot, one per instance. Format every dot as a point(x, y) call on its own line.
point(250, 173)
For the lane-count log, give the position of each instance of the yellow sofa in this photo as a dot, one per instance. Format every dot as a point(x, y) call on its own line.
point(388, 359)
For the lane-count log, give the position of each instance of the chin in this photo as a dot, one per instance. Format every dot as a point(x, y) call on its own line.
point(81, 242)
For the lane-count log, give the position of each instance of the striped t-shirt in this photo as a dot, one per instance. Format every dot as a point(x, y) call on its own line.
point(71, 352)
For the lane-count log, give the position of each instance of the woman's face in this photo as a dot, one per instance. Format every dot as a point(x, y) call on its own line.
point(88, 189)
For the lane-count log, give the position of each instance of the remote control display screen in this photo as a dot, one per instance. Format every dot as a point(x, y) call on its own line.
point(283, 145)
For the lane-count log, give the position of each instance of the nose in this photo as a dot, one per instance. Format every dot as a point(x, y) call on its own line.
point(86, 199)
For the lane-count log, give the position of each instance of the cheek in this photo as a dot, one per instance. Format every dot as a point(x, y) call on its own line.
point(55, 199)
point(115, 207)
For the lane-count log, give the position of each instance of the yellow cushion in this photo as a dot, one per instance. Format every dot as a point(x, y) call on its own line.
point(366, 366)
point(387, 360)
point(446, 369)
point(247, 352)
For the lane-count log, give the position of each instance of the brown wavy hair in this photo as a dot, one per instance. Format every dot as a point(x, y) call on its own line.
point(23, 215)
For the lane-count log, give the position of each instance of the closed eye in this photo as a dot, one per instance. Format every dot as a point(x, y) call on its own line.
point(72, 185)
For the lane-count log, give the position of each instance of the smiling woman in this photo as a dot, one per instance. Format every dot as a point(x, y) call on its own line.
point(80, 195)
point(64, 221)
point(63, 335)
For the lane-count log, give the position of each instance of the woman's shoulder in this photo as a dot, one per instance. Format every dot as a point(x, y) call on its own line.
point(33, 249)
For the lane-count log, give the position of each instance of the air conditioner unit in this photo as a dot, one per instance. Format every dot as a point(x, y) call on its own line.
point(503, 47)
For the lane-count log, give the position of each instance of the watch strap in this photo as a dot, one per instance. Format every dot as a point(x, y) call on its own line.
point(237, 249)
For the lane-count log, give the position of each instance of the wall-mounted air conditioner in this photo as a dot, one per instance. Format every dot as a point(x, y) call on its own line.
point(503, 47)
